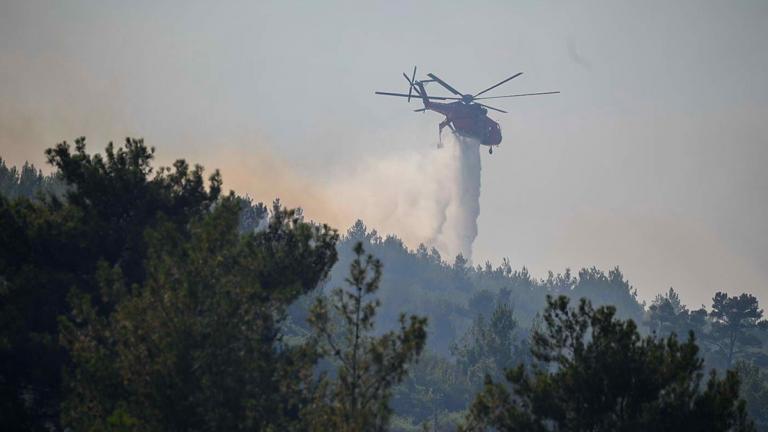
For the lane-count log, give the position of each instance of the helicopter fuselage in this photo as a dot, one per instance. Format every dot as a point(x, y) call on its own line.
point(468, 120)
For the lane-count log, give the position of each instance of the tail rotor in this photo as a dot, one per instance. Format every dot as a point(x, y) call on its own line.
point(410, 82)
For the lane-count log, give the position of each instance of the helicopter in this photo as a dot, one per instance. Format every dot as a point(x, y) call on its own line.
point(465, 117)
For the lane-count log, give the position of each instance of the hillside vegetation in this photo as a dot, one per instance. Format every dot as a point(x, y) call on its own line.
point(138, 298)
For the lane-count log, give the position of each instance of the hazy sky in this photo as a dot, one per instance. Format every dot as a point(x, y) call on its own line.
point(653, 158)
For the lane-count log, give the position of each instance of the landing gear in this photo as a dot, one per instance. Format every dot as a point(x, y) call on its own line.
point(490, 150)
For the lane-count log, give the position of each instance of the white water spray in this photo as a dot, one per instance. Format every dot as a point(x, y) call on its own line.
point(430, 196)
point(459, 228)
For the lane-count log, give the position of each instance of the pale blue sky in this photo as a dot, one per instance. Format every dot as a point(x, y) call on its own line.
point(653, 157)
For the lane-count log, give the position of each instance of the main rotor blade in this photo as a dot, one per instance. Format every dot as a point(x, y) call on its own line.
point(428, 97)
point(517, 95)
point(490, 107)
point(502, 82)
point(444, 84)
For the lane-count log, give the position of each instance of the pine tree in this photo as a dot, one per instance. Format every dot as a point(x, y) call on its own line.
point(357, 397)
point(596, 373)
point(198, 346)
point(734, 320)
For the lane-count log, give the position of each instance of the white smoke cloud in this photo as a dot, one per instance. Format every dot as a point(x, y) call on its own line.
point(429, 196)
point(422, 195)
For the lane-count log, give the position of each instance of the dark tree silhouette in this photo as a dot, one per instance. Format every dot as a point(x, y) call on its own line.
point(52, 245)
point(197, 346)
point(734, 318)
point(597, 373)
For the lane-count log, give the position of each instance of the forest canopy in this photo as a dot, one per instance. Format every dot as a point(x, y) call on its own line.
point(136, 297)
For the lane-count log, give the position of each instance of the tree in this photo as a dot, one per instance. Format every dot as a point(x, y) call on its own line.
point(672, 298)
point(608, 289)
point(252, 215)
point(368, 367)
point(434, 388)
point(489, 347)
point(120, 195)
point(51, 245)
point(460, 264)
point(28, 182)
point(560, 284)
point(734, 318)
point(667, 314)
point(596, 373)
point(754, 390)
point(198, 346)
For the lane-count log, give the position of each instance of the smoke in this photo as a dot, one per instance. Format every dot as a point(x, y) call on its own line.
point(428, 196)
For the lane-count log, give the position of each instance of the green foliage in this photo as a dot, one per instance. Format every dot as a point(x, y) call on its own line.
point(490, 346)
point(170, 306)
point(28, 182)
point(357, 398)
point(608, 289)
point(435, 389)
point(734, 322)
point(596, 373)
point(754, 390)
point(198, 346)
point(52, 245)
point(438, 389)
point(120, 195)
point(452, 295)
point(443, 421)
point(668, 315)
point(414, 283)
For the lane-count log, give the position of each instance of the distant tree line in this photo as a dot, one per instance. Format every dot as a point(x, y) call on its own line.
point(462, 303)
point(136, 298)
point(28, 182)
